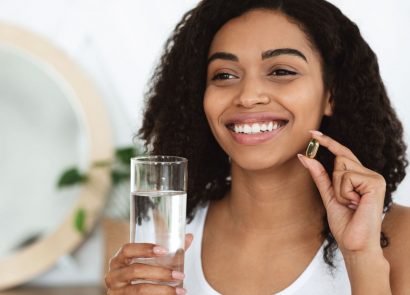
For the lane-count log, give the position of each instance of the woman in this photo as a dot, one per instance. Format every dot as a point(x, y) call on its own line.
point(239, 89)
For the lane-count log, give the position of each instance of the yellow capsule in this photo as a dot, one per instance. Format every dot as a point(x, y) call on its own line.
point(312, 148)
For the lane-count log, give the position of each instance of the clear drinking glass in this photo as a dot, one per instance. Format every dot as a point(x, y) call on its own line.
point(158, 209)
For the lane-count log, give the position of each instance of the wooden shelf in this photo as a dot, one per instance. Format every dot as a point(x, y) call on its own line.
point(93, 290)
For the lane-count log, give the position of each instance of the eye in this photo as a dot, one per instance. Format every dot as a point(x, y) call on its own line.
point(223, 76)
point(282, 72)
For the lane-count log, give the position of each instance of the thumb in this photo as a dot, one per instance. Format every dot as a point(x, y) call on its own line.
point(320, 177)
point(188, 240)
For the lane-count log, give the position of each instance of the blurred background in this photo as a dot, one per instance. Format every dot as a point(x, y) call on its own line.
point(116, 45)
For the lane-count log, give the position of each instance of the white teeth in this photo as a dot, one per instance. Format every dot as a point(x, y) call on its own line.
point(247, 129)
point(256, 127)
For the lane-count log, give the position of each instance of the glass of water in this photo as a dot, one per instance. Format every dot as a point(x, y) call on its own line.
point(158, 209)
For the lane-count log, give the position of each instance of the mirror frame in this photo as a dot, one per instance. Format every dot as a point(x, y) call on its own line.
point(38, 257)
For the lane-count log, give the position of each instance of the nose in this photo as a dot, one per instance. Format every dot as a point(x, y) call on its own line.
point(252, 93)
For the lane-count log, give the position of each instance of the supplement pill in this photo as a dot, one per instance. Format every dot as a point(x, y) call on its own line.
point(312, 148)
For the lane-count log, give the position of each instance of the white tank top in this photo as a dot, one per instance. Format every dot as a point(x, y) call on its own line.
point(316, 279)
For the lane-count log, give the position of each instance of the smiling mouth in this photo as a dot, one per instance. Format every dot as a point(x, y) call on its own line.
point(256, 127)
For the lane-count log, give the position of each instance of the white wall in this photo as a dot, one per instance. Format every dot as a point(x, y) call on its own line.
point(118, 42)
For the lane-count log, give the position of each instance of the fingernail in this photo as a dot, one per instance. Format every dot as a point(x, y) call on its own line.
point(352, 206)
point(178, 275)
point(180, 291)
point(159, 250)
point(354, 203)
point(316, 132)
point(300, 156)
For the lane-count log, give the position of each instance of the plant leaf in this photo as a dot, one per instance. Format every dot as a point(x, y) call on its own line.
point(118, 176)
point(79, 220)
point(70, 177)
point(125, 154)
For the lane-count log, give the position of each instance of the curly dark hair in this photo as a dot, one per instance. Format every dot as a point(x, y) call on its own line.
point(363, 119)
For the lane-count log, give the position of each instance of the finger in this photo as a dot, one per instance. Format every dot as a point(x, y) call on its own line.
point(347, 187)
point(332, 145)
point(320, 177)
point(341, 166)
point(122, 277)
point(336, 181)
point(188, 240)
point(343, 163)
point(129, 251)
point(147, 289)
point(370, 188)
point(343, 193)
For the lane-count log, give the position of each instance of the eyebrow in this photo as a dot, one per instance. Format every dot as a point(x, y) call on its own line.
point(222, 55)
point(280, 51)
point(265, 55)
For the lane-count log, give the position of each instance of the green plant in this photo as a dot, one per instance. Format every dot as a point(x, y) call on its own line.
point(120, 172)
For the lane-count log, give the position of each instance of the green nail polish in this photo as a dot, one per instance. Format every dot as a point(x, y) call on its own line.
point(312, 148)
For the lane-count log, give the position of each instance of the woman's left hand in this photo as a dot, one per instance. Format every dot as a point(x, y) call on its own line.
point(353, 197)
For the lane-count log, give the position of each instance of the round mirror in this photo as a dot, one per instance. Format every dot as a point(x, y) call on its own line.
point(42, 135)
point(51, 118)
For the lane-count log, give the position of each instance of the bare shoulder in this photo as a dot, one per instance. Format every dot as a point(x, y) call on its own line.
point(396, 226)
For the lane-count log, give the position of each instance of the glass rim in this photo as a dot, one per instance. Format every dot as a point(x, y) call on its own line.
point(159, 159)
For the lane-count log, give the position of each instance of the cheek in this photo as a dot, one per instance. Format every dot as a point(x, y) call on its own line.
point(305, 101)
point(211, 109)
point(212, 114)
point(215, 103)
point(207, 105)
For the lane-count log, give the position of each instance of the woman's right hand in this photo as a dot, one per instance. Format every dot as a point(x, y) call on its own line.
point(121, 271)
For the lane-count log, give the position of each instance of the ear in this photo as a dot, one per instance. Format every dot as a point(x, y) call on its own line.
point(328, 108)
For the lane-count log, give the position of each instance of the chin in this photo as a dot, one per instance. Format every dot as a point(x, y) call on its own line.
point(255, 162)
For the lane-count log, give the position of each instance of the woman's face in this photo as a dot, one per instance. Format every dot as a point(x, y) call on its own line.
point(264, 89)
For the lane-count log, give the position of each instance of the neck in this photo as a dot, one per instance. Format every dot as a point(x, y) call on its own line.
point(284, 200)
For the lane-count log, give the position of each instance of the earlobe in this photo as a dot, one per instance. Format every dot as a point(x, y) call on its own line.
point(329, 105)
